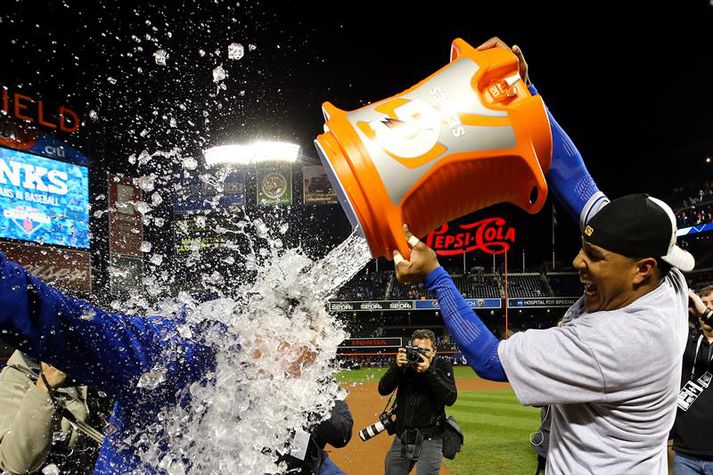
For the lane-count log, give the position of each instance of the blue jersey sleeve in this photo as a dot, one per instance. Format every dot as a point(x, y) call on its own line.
point(109, 351)
point(470, 333)
point(568, 177)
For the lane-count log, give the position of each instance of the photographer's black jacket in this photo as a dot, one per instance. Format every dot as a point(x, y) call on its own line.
point(692, 430)
point(421, 398)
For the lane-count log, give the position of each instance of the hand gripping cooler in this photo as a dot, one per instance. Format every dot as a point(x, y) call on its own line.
point(467, 137)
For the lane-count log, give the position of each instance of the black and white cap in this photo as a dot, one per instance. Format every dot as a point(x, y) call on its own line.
point(638, 226)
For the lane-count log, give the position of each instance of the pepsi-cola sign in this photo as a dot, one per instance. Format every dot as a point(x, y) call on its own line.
point(490, 235)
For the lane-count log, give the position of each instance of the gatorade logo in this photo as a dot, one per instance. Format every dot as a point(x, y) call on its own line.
point(409, 131)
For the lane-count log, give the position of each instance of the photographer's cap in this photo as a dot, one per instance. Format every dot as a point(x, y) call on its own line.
point(638, 226)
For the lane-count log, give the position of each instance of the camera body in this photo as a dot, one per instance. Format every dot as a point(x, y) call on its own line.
point(386, 423)
point(414, 354)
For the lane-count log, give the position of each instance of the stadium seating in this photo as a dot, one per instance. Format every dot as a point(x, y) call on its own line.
point(565, 284)
point(527, 285)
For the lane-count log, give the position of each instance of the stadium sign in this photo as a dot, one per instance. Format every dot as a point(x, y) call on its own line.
point(490, 235)
point(28, 109)
point(67, 269)
point(472, 303)
point(542, 302)
point(394, 342)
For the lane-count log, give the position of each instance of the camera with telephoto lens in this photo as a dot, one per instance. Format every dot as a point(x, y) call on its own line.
point(413, 354)
point(386, 423)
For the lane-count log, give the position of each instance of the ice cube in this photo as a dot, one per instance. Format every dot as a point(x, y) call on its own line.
point(236, 51)
point(189, 163)
point(160, 56)
point(156, 259)
point(219, 74)
point(50, 469)
point(146, 246)
point(146, 183)
point(153, 378)
point(142, 207)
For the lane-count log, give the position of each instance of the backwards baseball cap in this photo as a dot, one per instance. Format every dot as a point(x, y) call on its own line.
point(638, 226)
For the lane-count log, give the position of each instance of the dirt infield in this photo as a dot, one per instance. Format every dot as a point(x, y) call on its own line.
point(367, 458)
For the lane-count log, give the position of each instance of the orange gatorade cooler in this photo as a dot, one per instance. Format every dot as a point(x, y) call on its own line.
point(467, 137)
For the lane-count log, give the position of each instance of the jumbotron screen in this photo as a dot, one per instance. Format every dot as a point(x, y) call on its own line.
point(43, 200)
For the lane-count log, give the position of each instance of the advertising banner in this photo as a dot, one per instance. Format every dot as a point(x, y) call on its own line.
point(43, 200)
point(198, 233)
point(542, 302)
point(27, 138)
point(472, 303)
point(489, 235)
point(396, 305)
point(274, 184)
point(67, 269)
point(394, 342)
point(210, 192)
point(126, 230)
point(317, 188)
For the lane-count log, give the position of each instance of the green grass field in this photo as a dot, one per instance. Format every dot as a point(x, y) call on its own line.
point(496, 427)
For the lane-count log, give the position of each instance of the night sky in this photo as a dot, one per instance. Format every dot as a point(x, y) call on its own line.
point(632, 87)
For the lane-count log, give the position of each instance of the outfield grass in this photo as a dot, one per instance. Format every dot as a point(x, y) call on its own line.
point(497, 430)
point(496, 427)
point(374, 374)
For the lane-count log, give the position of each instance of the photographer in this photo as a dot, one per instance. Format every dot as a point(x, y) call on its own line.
point(40, 419)
point(425, 386)
point(691, 442)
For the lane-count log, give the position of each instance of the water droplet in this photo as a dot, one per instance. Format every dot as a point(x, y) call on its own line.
point(88, 314)
point(261, 229)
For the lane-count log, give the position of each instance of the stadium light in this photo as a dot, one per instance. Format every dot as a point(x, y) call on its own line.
point(261, 151)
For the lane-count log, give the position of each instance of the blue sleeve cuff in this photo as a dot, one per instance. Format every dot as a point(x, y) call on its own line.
point(433, 276)
point(532, 89)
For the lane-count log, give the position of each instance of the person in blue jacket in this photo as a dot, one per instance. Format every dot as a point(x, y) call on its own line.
point(611, 372)
point(104, 350)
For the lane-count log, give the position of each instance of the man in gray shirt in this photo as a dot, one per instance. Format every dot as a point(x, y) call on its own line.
point(611, 373)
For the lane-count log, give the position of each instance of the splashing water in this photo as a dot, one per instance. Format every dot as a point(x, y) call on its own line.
point(274, 367)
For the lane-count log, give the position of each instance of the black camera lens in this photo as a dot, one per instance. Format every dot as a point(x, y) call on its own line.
point(413, 354)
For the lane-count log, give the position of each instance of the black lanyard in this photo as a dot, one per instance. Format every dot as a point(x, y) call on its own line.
point(695, 358)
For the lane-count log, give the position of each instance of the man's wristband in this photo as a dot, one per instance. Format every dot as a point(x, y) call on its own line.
point(706, 317)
